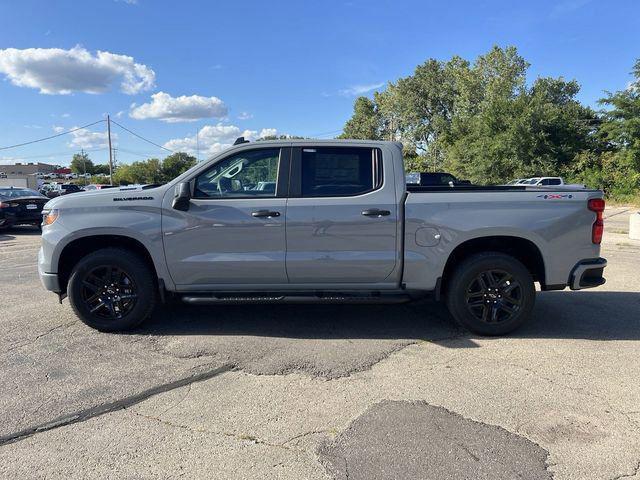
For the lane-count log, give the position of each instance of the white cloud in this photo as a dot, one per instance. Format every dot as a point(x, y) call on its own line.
point(245, 116)
point(355, 90)
point(268, 132)
point(213, 138)
point(58, 71)
point(179, 109)
point(85, 138)
point(58, 129)
point(568, 6)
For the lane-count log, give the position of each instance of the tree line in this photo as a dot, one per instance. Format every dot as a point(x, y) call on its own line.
point(151, 170)
point(483, 121)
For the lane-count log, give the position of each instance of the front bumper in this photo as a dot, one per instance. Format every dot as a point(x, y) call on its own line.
point(50, 281)
point(587, 274)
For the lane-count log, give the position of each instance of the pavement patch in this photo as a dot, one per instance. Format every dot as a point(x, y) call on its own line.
point(328, 341)
point(398, 439)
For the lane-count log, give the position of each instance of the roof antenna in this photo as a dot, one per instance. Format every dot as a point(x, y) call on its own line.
point(240, 140)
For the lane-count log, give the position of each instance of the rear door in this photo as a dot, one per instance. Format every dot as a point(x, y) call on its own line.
point(342, 216)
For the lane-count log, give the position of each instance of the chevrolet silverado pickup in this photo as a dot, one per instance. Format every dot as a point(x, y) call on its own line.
point(314, 221)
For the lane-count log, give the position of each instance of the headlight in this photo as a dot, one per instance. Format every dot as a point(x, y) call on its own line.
point(49, 216)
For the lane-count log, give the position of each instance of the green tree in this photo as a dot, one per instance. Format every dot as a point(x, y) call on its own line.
point(278, 137)
point(621, 122)
point(81, 164)
point(101, 168)
point(480, 119)
point(146, 171)
point(614, 165)
point(365, 122)
point(176, 164)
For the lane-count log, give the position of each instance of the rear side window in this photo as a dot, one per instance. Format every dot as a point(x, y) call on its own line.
point(340, 171)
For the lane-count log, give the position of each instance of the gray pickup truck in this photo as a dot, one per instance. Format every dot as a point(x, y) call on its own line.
point(322, 222)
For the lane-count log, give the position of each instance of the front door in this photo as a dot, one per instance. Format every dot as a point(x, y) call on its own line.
point(234, 230)
point(342, 217)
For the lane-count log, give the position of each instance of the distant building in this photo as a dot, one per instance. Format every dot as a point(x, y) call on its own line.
point(19, 168)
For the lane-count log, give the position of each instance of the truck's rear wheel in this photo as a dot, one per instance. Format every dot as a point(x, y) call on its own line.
point(111, 290)
point(491, 294)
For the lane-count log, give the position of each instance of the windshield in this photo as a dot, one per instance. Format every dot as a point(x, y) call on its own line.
point(18, 192)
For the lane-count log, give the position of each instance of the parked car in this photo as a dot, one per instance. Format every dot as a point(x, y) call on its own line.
point(97, 186)
point(341, 226)
point(20, 206)
point(550, 182)
point(436, 178)
point(517, 181)
point(58, 189)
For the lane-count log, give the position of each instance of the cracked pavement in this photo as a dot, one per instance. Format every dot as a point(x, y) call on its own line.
point(302, 391)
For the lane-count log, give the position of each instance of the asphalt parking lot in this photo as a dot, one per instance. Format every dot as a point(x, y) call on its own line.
point(358, 392)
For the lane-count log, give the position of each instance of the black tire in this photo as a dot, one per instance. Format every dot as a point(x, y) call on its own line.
point(126, 302)
point(490, 294)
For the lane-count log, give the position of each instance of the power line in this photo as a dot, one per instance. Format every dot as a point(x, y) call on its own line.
point(52, 136)
point(325, 133)
point(141, 137)
point(58, 154)
point(148, 155)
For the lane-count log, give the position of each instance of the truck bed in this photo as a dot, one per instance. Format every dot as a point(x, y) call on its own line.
point(492, 188)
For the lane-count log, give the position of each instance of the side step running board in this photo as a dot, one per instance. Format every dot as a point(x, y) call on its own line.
point(247, 299)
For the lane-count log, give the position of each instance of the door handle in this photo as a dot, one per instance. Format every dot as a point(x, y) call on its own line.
point(375, 212)
point(265, 214)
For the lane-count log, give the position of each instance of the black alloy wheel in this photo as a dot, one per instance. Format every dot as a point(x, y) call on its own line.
point(494, 296)
point(490, 293)
point(109, 292)
point(112, 289)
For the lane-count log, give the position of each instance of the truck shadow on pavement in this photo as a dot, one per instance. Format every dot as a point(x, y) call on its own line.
point(592, 315)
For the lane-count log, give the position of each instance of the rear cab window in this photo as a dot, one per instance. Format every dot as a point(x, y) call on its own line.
point(339, 171)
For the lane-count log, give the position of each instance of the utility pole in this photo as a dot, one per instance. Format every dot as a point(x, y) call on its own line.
point(110, 152)
point(84, 165)
point(197, 147)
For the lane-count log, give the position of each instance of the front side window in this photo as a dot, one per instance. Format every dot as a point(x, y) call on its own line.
point(253, 173)
point(340, 171)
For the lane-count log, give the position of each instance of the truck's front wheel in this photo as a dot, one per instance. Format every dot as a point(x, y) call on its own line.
point(491, 294)
point(112, 289)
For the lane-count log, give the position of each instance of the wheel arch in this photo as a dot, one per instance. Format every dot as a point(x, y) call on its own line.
point(524, 250)
point(78, 248)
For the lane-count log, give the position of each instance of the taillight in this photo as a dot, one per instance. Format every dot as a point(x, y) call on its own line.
point(4, 205)
point(597, 205)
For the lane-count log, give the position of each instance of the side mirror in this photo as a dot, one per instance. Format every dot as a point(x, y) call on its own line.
point(182, 197)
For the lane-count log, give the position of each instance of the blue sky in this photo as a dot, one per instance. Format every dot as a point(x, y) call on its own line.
point(229, 67)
